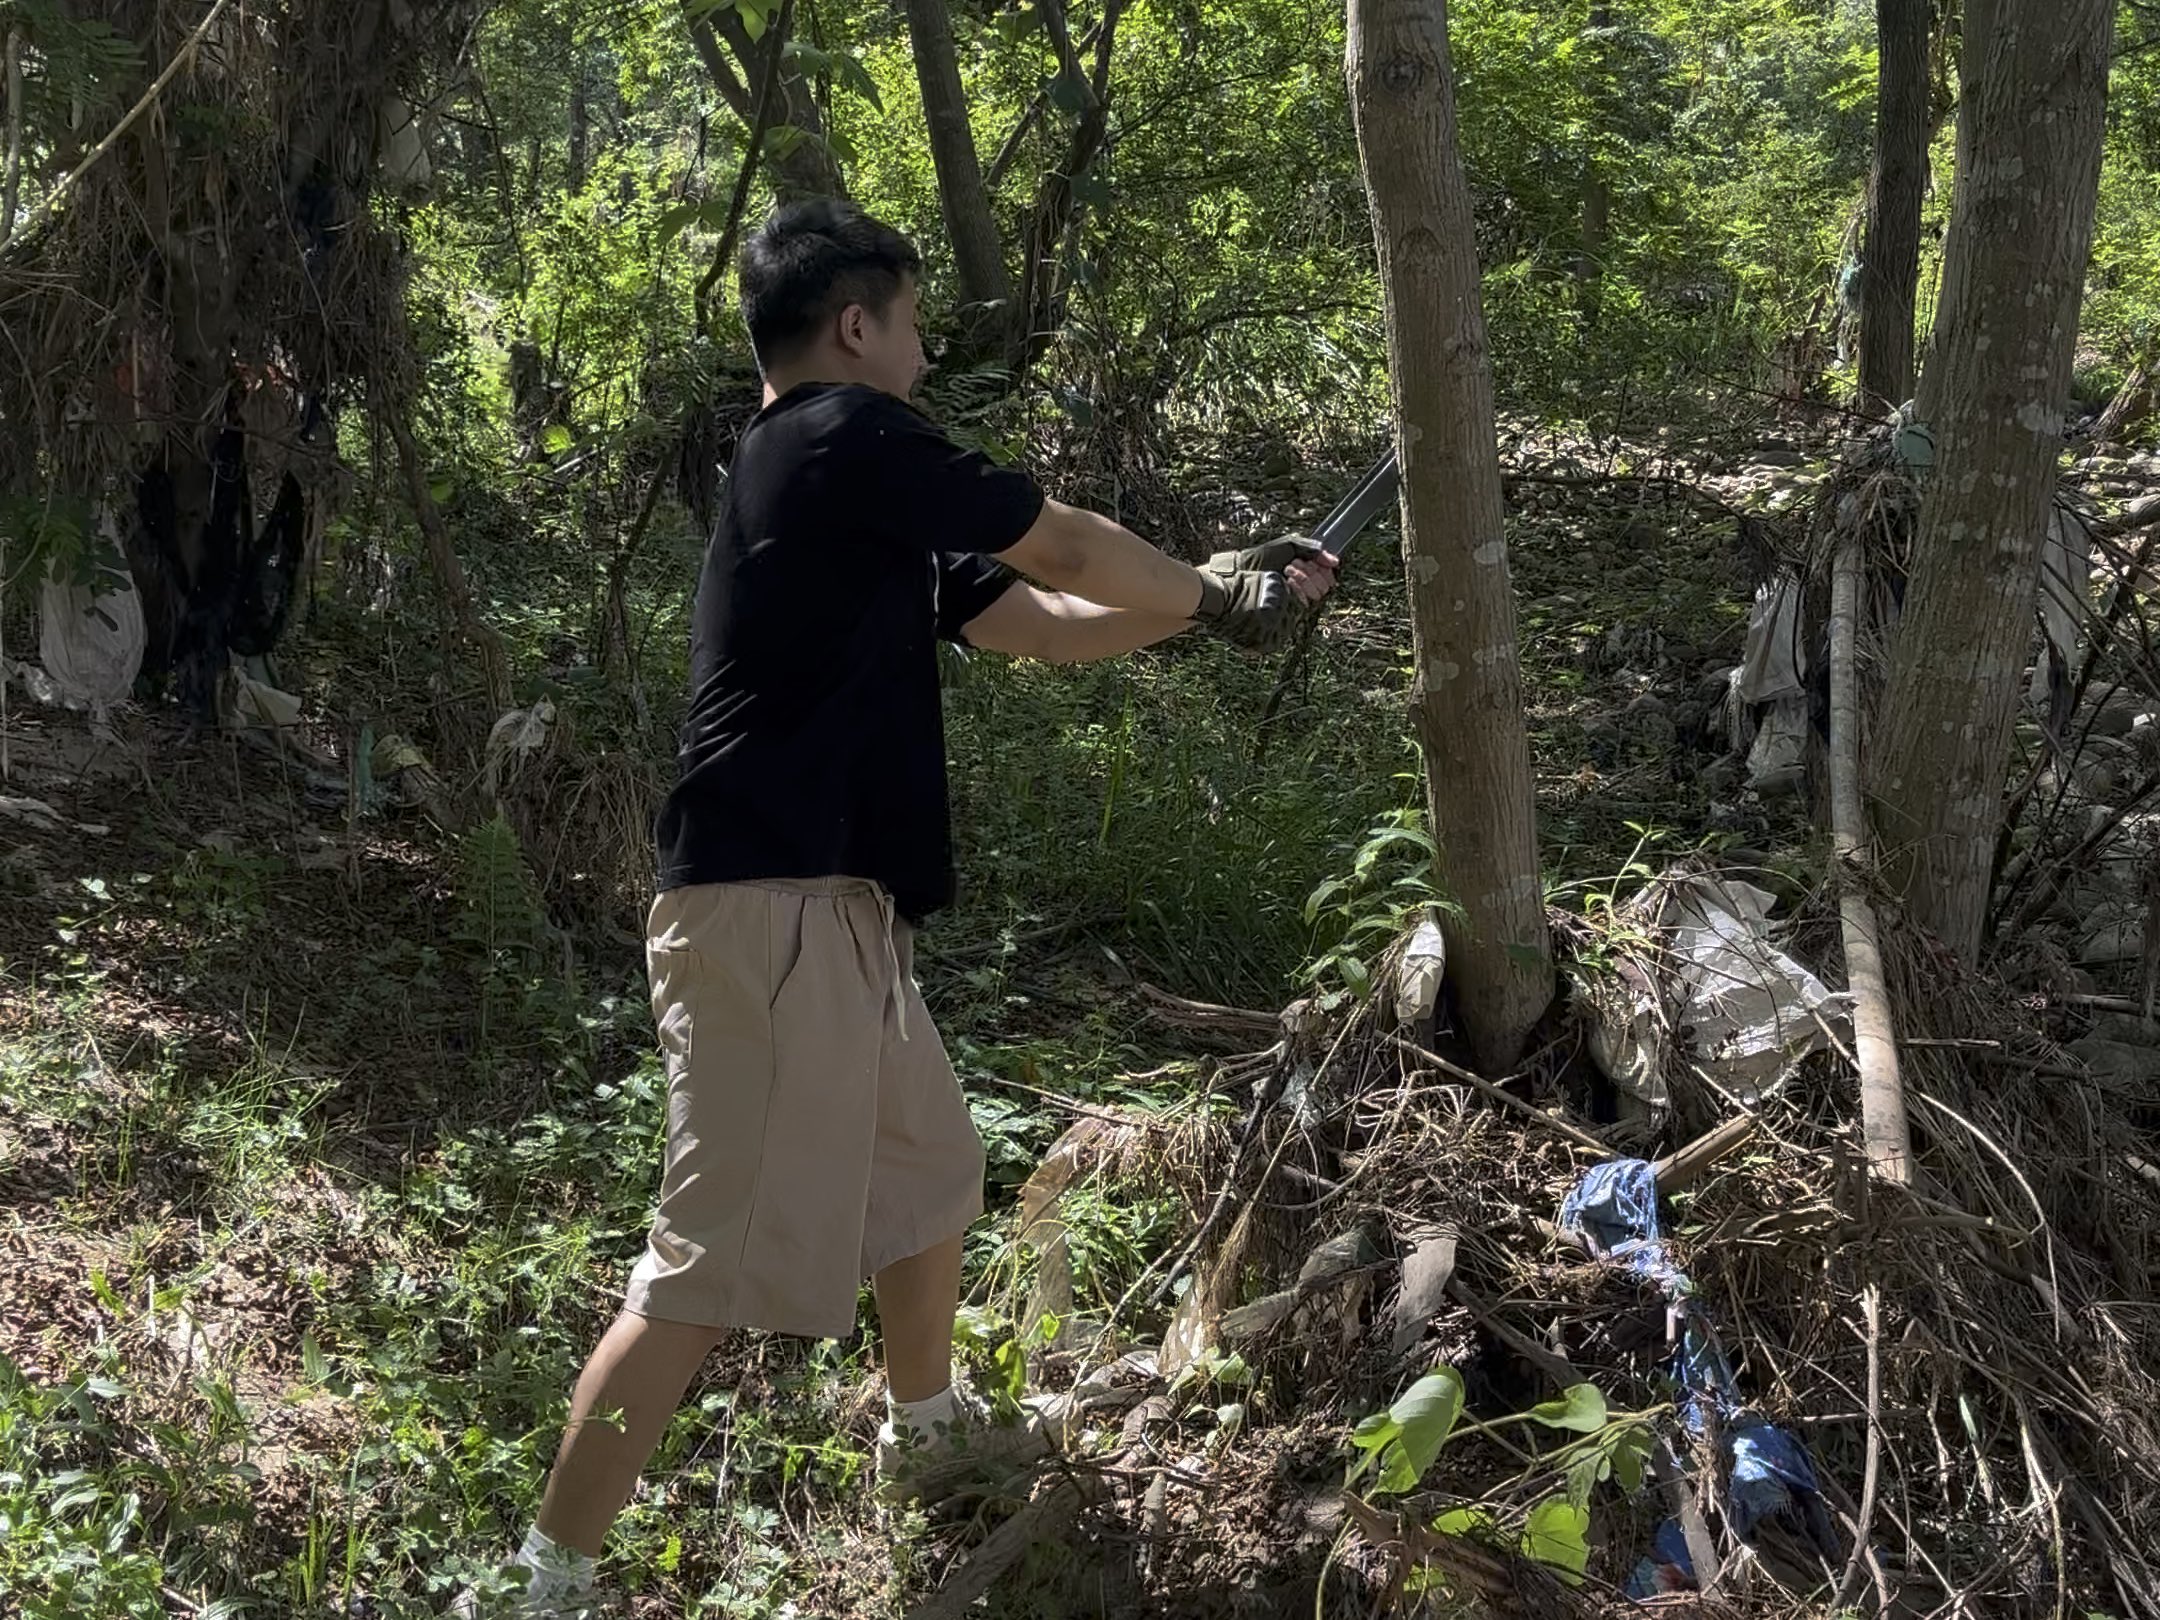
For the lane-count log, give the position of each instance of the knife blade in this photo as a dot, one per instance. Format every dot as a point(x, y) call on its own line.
point(1354, 513)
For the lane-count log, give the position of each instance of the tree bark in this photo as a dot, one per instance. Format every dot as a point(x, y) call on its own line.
point(11, 195)
point(1467, 696)
point(1055, 213)
point(2130, 409)
point(580, 123)
point(801, 167)
point(1596, 191)
point(1994, 392)
point(1890, 254)
point(963, 199)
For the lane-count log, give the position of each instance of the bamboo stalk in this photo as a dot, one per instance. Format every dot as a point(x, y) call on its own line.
point(181, 57)
point(1883, 1128)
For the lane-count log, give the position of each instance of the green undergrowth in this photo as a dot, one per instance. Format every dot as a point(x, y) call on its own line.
point(330, 1169)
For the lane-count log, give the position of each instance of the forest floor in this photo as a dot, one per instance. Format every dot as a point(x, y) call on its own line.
point(322, 1159)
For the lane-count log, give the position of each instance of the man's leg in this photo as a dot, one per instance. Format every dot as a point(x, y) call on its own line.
point(916, 1300)
point(641, 1369)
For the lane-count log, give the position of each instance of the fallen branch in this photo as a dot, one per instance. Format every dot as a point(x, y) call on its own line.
point(1208, 1015)
point(1864, 1520)
point(1042, 1521)
point(1884, 1131)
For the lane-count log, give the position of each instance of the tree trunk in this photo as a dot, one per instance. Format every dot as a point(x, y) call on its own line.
point(1596, 191)
point(2130, 409)
point(580, 123)
point(485, 640)
point(964, 201)
point(1467, 696)
point(1055, 213)
point(1890, 255)
point(1995, 390)
point(801, 164)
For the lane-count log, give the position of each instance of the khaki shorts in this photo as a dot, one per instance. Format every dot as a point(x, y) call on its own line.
point(815, 1130)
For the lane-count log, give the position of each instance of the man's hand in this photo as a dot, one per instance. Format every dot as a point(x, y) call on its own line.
point(1255, 597)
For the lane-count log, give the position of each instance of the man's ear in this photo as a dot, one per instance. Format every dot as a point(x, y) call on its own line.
point(853, 329)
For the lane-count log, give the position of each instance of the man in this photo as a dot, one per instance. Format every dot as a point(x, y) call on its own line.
point(816, 1132)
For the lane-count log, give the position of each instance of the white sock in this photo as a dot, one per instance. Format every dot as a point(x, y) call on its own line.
point(921, 1416)
point(556, 1569)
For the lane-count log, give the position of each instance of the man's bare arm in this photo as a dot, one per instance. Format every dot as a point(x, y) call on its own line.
point(1060, 629)
point(1057, 628)
point(1081, 554)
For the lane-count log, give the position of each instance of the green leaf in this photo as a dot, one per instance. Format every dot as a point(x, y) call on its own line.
point(1628, 1451)
point(1558, 1536)
point(677, 219)
point(849, 70)
point(556, 439)
point(1581, 1408)
point(1092, 188)
point(1356, 977)
point(1014, 26)
point(753, 20)
point(1423, 1418)
point(1463, 1521)
point(1068, 93)
point(1585, 1467)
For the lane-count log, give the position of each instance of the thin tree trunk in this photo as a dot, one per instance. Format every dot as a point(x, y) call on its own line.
point(803, 165)
point(1890, 255)
point(12, 197)
point(1994, 392)
point(1040, 309)
point(485, 640)
point(1467, 696)
point(2130, 409)
point(1596, 192)
point(964, 201)
point(580, 123)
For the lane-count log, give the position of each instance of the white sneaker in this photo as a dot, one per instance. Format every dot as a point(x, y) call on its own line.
point(541, 1598)
point(975, 1450)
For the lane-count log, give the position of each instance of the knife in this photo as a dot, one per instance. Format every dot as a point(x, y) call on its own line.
point(1353, 514)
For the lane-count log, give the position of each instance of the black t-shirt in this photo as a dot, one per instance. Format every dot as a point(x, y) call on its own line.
point(853, 535)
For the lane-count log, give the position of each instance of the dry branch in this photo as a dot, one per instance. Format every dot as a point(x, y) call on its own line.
point(1883, 1126)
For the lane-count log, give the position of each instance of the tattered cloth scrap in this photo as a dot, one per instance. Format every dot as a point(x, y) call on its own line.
point(1771, 1488)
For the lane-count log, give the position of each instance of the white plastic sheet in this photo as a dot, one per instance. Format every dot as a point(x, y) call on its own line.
point(1424, 965)
point(90, 640)
point(514, 739)
point(1745, 1011)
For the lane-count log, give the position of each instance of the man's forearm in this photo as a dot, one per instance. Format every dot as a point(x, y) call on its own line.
point(1082, 554)
point(1080, 632)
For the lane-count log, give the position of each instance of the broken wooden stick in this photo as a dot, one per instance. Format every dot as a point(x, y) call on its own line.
point(1884, 1132)
point(1685, 1166)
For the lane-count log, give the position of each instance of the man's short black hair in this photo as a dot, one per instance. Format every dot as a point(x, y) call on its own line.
point(811, 260)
